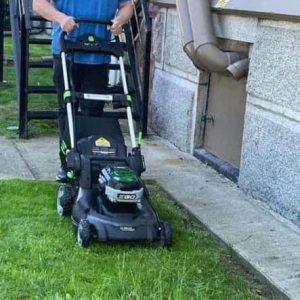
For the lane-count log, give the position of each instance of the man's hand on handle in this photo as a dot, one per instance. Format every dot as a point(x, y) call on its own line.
point(124, 14)
point(116, 27)
point(68, 24)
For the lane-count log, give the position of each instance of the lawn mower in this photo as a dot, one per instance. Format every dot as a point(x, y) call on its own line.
point(105, 196)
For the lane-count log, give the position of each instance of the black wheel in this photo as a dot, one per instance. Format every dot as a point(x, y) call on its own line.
point(84, 233)
point(74, 225)
point(64, 200)
point(166, 235)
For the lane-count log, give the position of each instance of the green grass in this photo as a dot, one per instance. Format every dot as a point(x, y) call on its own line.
point(8, 96)
point(39, 258)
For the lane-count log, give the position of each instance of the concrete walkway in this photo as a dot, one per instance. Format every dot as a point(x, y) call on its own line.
point(267, 244)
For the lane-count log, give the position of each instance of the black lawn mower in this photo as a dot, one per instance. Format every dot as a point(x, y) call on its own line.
point(106, 198)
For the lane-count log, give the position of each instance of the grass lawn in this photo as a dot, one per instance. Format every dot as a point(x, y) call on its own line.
point(39, 257)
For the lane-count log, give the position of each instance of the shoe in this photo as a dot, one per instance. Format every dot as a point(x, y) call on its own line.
point(61, 175)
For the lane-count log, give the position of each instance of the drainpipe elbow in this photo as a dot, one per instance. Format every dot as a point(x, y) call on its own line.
point(214, 59)
point(239, 69)
point(189, 49)
point(200, 43)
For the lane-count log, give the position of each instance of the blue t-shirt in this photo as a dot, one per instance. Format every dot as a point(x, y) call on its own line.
point(90, 9)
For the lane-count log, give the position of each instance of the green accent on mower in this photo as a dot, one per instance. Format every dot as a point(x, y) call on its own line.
point(120, 184)
point(140, 138)
point(91, 38)
point(63, 147)
point(124, 175)
point(67, 94)
point(71, 175)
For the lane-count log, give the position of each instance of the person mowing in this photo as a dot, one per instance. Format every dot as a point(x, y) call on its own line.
point(87, 69)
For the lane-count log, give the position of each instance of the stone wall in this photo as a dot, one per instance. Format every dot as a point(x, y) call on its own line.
point(174, 84)
point(270, 166)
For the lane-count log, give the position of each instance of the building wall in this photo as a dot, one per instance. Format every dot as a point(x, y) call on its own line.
point(174, 84)
point(270, 165)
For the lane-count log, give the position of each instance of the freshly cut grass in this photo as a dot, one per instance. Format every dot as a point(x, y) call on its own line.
point(39, 258)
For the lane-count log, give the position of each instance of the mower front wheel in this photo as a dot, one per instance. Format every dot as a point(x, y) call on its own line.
point(84, 235)
point(64, 200)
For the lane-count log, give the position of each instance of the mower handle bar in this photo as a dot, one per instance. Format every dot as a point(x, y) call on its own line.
point(90, 21)
point(94, 21)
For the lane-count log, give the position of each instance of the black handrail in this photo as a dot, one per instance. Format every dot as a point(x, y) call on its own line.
point(141, 24)
point(147, 59)
point(15, 32)
point(23, 23)
point(1, 39)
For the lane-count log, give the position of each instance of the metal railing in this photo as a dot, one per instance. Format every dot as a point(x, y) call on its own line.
point(138, 34)
point(1, 39)
point(141, 35)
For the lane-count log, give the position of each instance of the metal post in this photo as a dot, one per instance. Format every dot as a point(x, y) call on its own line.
point(23, 97)
point(1, 39)
point(147, 59)
point(15, 32)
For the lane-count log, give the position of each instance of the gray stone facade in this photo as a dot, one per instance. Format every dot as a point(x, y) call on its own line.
point(270, 165)
point(174, 84)
point(270, 168)
point(271, 161)
point(172, 109)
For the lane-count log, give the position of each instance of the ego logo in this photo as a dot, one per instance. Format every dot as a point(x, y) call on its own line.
point(126, 197)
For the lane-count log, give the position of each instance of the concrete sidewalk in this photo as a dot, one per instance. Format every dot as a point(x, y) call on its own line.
point(264, 242)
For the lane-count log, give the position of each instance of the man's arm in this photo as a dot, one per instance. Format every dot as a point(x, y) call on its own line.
point(124, 14)
point(46, 10)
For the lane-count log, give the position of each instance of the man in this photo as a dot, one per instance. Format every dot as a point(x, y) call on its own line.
point(87, 69)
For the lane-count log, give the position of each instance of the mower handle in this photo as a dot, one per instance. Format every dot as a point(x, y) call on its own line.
point(90, 21)
point(94, 21)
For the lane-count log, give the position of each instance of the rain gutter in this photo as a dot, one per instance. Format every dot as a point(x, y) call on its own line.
point(200, 43)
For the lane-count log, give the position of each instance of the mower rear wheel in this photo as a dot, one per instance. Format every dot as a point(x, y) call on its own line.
point(64, 200)
point(84, 233)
